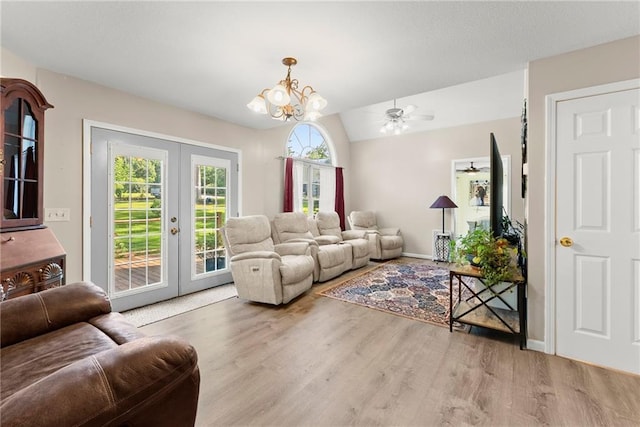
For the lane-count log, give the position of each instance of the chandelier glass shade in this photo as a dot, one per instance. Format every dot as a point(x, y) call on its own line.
point(285, 101)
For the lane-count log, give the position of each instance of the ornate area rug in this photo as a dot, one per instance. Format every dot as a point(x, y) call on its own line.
point(414, 290)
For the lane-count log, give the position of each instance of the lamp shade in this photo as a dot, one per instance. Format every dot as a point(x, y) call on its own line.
point(315, 102)
point(443, 202)
point(278, 96)
point(258, 105)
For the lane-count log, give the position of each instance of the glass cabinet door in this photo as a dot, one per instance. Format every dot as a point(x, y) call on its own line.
point(21, 156)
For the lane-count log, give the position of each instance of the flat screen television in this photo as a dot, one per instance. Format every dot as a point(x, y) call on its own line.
point(495, 185)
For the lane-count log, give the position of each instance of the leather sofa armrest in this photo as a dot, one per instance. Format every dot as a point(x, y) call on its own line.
point(390, 231)
point(35, 314)
point(293, 248)
point(255, 255)
point(133, 383)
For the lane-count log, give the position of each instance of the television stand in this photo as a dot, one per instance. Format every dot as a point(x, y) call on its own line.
point(475, 310)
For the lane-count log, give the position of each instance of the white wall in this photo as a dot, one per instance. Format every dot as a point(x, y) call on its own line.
point(399, 177)
point(610, 62)
point(74, 100)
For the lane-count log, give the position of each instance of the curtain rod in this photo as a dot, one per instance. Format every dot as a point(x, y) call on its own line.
point(311, 162)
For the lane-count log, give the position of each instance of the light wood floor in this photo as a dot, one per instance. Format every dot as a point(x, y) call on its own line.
point(322, 362)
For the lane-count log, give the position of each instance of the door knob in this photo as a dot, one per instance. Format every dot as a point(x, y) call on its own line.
point(566, 242)
point(175, 230)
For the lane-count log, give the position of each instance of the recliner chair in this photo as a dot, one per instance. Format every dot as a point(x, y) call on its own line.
point(328, 224)
point(264, 272)
point(331, 258)
point(384, 243)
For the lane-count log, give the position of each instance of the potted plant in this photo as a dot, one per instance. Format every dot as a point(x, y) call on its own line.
point(491, 255)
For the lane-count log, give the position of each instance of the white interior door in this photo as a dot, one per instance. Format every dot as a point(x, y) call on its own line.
point(157, 207)
point(598, 229)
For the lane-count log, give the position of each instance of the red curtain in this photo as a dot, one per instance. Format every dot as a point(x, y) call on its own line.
point(288, 185)
point(340, 197)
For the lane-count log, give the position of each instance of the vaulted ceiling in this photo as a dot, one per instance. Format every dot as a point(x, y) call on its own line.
point(214, 57)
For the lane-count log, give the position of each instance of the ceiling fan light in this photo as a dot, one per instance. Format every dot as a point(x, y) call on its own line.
point(258, 105)
point(315, 102)
point(278, 96)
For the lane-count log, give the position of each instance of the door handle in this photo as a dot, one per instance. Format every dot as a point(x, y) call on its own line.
point(566, 242)
point(174, 230)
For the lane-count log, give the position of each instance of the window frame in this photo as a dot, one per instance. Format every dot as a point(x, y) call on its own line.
point(312, 167)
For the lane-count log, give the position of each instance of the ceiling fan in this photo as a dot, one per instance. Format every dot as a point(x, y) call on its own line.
point(471, 169)
point(396, 118)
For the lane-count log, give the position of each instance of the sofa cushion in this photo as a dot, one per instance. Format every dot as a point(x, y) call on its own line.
point(333, 255)
point(295, 268)
point(360, 247)
point(29, 361)
point(391, 242)
point(248, 234)
point(75, 302)
point(363, 220)
point(291, 225)
point(329, 224)
point(152, 381)
point(329, 239)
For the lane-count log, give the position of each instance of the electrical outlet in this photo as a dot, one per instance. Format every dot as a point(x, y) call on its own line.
point(57, 214)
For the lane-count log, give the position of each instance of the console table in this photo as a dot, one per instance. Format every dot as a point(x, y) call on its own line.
point(474, 310)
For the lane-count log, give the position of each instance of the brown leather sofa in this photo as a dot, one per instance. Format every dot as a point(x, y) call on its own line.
point(67, 360)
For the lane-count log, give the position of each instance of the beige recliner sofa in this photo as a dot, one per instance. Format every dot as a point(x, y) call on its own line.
point(384, 243)
point(263, 271)
point(331, 258)
point(328, 224)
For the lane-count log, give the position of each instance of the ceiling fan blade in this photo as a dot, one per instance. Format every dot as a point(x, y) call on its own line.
point(409, 109)
point(425, 117)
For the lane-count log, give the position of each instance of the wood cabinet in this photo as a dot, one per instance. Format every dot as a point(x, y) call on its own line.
point(21, 163)
point(32, 259)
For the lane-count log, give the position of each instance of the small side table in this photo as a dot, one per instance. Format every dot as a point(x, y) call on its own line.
point(475, 311)
point(441, 246)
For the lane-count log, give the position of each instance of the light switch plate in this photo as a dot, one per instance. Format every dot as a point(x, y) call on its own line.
point(57, 214)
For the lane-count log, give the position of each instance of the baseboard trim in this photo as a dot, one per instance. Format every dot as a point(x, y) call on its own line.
point(412, 255)
point(535, 345)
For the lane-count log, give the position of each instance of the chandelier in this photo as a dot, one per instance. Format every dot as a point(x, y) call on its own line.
point(284, 101)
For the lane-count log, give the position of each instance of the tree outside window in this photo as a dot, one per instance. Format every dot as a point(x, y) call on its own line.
point(307, 144)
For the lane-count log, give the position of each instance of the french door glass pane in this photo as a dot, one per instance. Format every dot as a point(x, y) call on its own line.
point(137, 222)
point(209, 216)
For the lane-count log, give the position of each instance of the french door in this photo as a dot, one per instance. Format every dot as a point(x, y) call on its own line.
point(157, 207)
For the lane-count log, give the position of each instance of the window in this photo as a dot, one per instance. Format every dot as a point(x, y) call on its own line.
point(308, 143)
point(313, 174)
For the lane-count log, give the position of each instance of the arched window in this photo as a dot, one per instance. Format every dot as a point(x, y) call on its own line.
point(314, 184)
point(308, 142)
